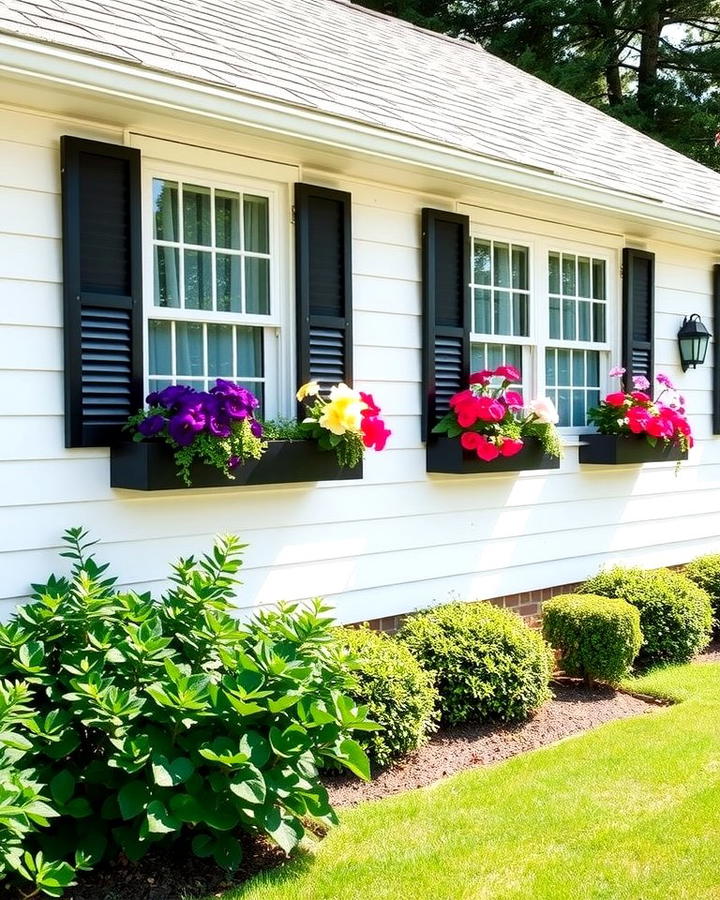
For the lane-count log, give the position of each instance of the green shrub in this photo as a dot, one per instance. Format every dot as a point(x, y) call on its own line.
point(488, 664)
point(127, 721)
point(705, 573)
point(399, 694)
point(597, 637)
point(675, 614)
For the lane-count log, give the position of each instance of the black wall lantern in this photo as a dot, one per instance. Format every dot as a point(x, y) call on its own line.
point(693, 339)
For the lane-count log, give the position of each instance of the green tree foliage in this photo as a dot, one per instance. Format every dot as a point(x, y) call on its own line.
point(653, 64)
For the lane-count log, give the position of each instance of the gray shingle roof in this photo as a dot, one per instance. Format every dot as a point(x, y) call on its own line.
point(338, 59)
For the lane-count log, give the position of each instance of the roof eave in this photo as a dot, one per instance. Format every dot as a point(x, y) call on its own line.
point(50, 63)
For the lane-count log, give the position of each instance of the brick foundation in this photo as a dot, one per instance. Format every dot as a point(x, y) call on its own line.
point(527, 604)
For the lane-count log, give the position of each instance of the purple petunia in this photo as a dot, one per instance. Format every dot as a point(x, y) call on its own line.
point(151, 426)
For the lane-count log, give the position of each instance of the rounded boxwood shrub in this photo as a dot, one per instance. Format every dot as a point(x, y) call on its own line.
point(705, 573)
point(675, 614)
point(398, 693)
point(488, 664)
point(597, 637)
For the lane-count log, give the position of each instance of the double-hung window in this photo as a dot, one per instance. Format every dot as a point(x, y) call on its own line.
point(212, 298)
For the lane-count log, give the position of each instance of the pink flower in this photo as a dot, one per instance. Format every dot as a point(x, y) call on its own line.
point(513, 400)
point(482, 377)
point(616, 372)
point(640, 383)
point(616, 399)
point(510, 447)
point(544, 411)
point(664, 381)
point(485, 450)
point(372, 408)
point(470, 440)
point(638, 417)
point(508, 372)
point(374, 432)
point(465, 406)
point(640, 397)
point(489, 410)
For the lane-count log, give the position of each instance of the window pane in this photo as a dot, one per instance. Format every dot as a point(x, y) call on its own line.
point(584, 329)
point(227, 220)
point(160, 343)
point(249, 352)
point(563, 364)
point(501, 256)
point(598, 288)
point(568, 275)
point(257, 286)
point(502, 313)
point(483, 311)
point(196, 215)
point(229, 283)
point(563, 408)
point(593, 398)
point(593, 369)
point(513, 357)
point(165, 210)
point(189, 352)
point(167, 277)
point(599, 322)
point(578, 368)
point(520, 315)
point(481, 262)
point(157, 384)
point(520, 268)
point(579, 416)
point(220, 351)
point(550, 368)
point(477, 357)
point(257, 237)
point(583, 276)
point(568, 324)
point(554, 317)
point(198, 279)
point(554, 273)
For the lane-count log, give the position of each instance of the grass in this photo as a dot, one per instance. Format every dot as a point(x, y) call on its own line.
point(630, 810)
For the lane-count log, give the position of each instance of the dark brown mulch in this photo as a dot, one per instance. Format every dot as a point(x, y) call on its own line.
point(574, 708)
point(172, 875)
point(711, 652)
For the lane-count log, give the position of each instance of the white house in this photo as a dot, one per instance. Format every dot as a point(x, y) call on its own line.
point(198, 110)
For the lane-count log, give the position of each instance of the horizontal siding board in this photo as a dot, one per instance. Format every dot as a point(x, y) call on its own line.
point(31, 258)
point(30, 303)
point(31, 348)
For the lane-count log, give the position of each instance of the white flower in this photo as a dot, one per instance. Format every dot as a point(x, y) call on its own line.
point(544, 411)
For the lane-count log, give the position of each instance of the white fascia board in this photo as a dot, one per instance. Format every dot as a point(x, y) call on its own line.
point(38, 62)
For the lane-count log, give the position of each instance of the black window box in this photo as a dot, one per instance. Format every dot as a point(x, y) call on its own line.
point(150, 466)
point(447, 455)
point(620, 450)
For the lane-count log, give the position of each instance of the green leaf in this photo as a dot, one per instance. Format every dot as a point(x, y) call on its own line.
point(78, 808)
point(170, 774)
point(203, 845)
point(227, 852)
point(249, 785)
point(62, 787)
point(255, 747)
point(353, 757)
point(284, 831)
point(159, 819)
point(293, 740)
point(132, 799)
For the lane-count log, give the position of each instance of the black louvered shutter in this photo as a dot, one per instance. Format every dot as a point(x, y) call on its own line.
point(716, 350)
point(102, 285)
point(446, 311)
point(323, 258)
point(638, 315)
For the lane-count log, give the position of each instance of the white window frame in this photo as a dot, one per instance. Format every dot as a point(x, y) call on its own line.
point(278, 326)
point(538, 340)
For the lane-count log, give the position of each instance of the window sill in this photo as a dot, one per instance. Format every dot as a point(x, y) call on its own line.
point(150, 466)
point(620, 450)
point(446, 455)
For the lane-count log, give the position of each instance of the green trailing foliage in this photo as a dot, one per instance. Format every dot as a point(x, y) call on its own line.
point(597, 637)
point(705, 573)
point(399, 694)
point(488, 664)
point(128, 721)
point(675, 614)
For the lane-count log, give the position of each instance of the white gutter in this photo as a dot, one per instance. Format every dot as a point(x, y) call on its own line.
point(39, 62)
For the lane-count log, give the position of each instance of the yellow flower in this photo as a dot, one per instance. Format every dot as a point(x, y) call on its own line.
point(311, 389)
point(343, 412)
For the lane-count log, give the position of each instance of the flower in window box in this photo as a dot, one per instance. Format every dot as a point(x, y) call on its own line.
point(346, 421)
point(637, 413)
point(217, 427)
point(490, 419)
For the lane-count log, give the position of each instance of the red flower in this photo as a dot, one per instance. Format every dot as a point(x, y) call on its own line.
point(489, 410)
point(640, 396)
point(465, 405)
point(374, 432)
point(509, 372)
point(470, 440)
point(481, 377)
point(616, 399)
point(510, 447)
point(485, 450)
point(660, 427)
point(638, 417)
point(372, 408)
point(513, 400)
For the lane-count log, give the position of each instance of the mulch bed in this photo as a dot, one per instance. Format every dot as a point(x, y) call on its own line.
point(573, 709)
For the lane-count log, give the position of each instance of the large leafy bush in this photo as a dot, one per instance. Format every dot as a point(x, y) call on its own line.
point(399, 694)
point(597, 637)
point(675, 614)
point(705, 573)
point(488, 664)
point(128, 721)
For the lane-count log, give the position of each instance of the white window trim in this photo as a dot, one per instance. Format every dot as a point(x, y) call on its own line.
point(279, 326)
point(539, 247)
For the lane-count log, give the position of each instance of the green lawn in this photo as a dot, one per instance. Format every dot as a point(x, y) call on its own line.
point(630, 810)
